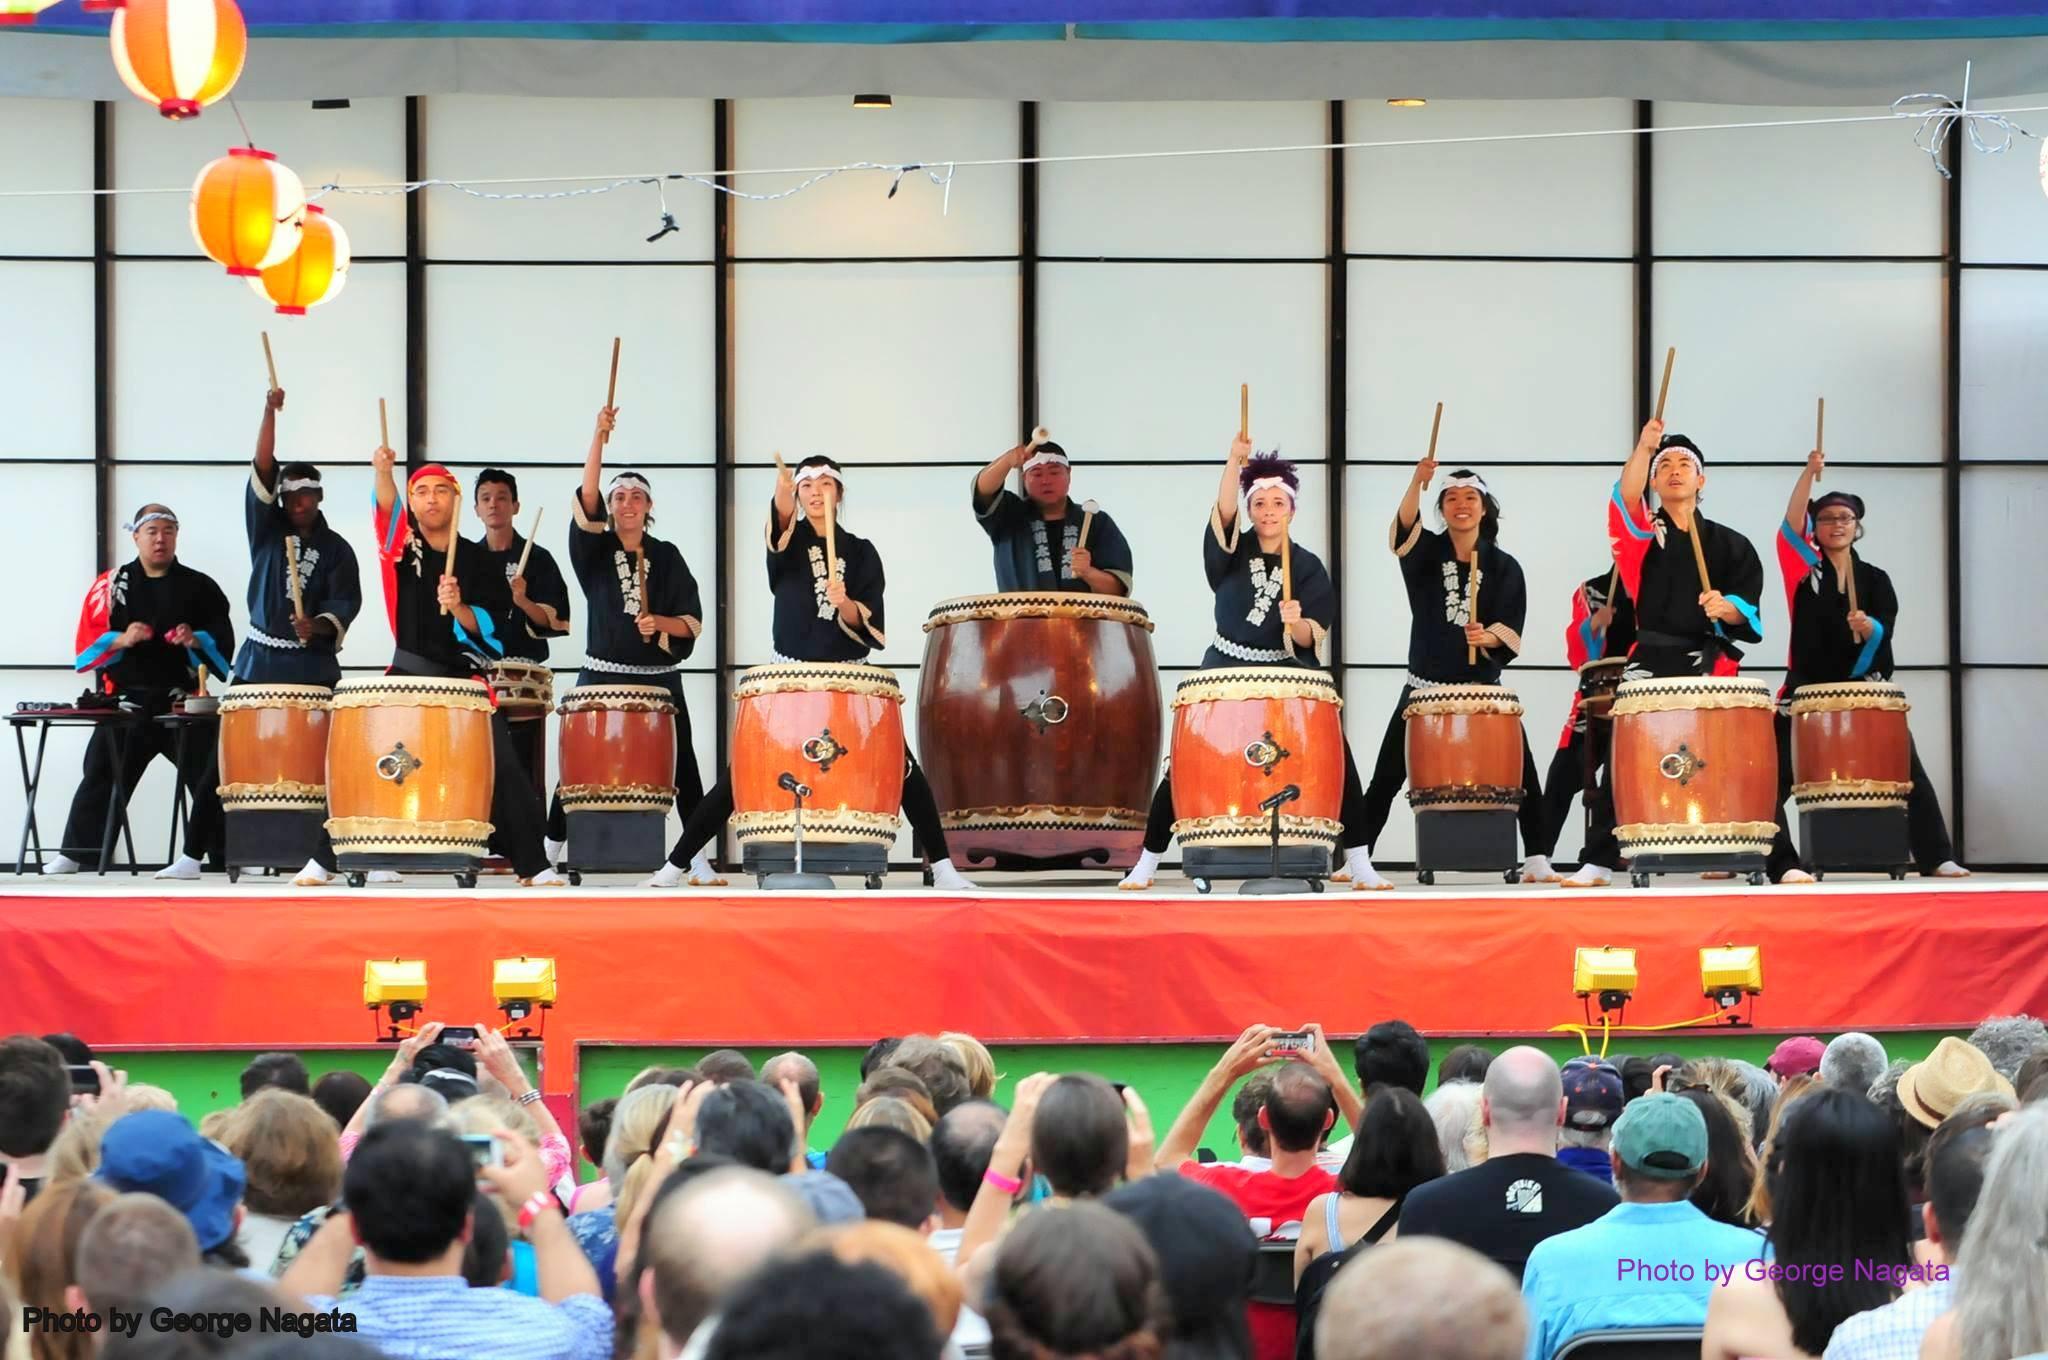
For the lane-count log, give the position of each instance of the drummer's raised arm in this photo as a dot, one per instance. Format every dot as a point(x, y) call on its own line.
point(387, 486)
point(1409, 514)
point(991, 478)
point(1802, 492)
point(1226, 492)
point(592, 494)
point(1635, 474)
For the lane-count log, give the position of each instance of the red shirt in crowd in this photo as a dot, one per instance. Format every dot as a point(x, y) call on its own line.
point(1280, 1199)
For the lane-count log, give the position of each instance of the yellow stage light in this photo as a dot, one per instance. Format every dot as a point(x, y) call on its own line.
point(1608, 974)
point(522, 984)
point(1730, 972)
point(397, 987)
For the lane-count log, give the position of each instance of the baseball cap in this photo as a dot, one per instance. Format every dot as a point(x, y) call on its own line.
point(1796, 1057)
point(1661, 1136)
point(1593, 1094)
point(159, 1153)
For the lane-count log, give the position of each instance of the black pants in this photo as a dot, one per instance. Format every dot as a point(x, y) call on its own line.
point(518, 818)
point(1926, 829)
point(1390, 772)
point(145, 740)
point(1572, 771)
point(689, 783)
point(714, 809)
point(1159, 821)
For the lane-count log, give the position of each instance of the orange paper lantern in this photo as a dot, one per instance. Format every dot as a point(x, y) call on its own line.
point(314, 273)
point(22, 11)
point(180, 55)
point(248, 211)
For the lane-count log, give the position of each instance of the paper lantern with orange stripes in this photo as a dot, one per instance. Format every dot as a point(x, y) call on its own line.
point(248, 211)
point(22, 11)
point(180, 55)
point(314, 273)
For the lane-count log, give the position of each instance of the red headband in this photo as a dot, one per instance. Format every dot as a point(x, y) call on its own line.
point(432, 470)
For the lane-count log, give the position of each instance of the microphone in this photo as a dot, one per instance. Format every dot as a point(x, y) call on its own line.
point(789, 784)
point(1286, 795)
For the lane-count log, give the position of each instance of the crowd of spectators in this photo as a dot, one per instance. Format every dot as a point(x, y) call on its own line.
point(1829, 1204)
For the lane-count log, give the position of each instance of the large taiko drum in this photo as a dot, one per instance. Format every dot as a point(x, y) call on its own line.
point(273, 774)
point(273, 748)
point(1850, 746)
point(1464, 748)
point(836, 727)
point(618, 749)
point(1241, 735)
point(409, 771)
point(1038, 719)
point(1695, 767)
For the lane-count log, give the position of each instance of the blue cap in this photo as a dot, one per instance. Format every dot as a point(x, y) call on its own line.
point(159, 1153)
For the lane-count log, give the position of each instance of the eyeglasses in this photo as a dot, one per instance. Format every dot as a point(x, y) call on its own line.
point(1835, 519)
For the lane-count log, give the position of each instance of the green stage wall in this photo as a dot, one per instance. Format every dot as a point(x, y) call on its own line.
point(1164, 1074)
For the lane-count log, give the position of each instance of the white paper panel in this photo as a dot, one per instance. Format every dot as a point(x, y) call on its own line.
point(1571, 196)
point(189, 359)
point(1144, 361)
point(48, 146)
point(472, 137)
point(2004, 560)
point(1842, 189)
point(2005, 346)
point(2005, 216)
point(504, 389)
point(1530, 360)
point(852, 214)
point(361, 144)
point(1758, 343)
point(48, 556)
point(2005, 743)
point(63, 758)
point(47, 382)
point(1214, 206)
point(877, 361)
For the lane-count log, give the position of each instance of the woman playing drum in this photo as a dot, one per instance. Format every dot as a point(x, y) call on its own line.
point(1255, 627)
point(819, 616)
point(1833, 641)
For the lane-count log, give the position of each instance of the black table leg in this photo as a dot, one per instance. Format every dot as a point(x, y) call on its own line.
point(31, 780)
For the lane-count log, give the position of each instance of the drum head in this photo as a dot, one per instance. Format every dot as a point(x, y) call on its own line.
point(1849, 694)
point(1430, 700)
point(1256, 682)
point(1666, 693)
point(846, 677)
point(416, 691)
point(629, 698)
point(1035, 604)
point(275, 696)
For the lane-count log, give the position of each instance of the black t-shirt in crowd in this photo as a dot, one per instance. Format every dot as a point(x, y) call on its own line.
point(1504, 1206)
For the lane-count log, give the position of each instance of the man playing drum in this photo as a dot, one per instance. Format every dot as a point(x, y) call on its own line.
point(1038, 536)
point(412, 546)
point(293, 634)
point(1833, 641)
point(540, 597)
point(1447, 643)
point(1601, 628)
point(1255, 627)
point(819, 616)
point(1681, 629)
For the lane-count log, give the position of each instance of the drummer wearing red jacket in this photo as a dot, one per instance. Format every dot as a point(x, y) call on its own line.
point(1600, 627)
point(1681, 629)
point(1832, 642)
point(820, 615)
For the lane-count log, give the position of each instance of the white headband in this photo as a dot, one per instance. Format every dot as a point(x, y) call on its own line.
point(629, 479)
point(1265, 483)
point(1678, 450)
point(154, 514)
point(300, 484)
point(815, 471)
point(1045, 455)
point(1470, 479)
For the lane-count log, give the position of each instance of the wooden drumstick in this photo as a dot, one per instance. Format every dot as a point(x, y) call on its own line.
point(1820, 425)
point(291, 565)
point(832, 531)
point(454, 533)
point(1435, 424)
point(1287, 558)
point(1472, 605)
point(1244, 410)
point(1852, 581)
point(202, 682)
point(1088, 509)
point(611, 390)
point(640, 577)
point(1038, 436)
point(531, 534)
point(1613, 575)
point(1664, 388)
point(269, 362)
point(383, 426)
point(1699, 554)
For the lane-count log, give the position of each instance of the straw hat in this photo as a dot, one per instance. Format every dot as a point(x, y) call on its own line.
point(1930, 1090)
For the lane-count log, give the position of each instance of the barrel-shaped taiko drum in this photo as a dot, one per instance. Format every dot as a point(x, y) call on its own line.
point(617, 749)
point(1243, 734)
point(1038, 721)
point(273, 748)
point(410, 767)
point(835, 727)
point(1850, 746)
point(1695, 766)
point(1464, 745)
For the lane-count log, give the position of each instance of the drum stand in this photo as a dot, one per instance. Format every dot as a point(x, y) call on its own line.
point(281, 839)
point(1855, 840)
point(1273, 884)
point(1468, 841)
point(796, 879)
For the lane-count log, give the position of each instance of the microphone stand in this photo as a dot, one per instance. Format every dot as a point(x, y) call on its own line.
point(1273, 883)
point(797, 879)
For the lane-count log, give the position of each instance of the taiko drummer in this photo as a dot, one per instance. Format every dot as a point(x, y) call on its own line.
point(1603, 626)
point(1043, 541)
point(820, 615)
